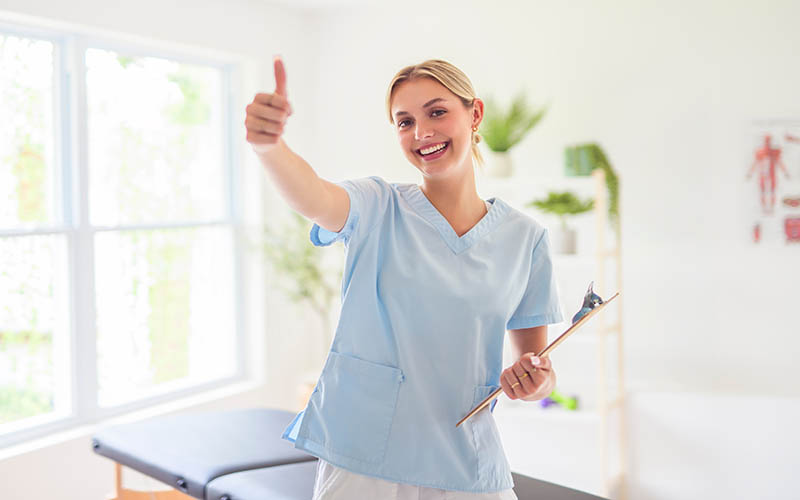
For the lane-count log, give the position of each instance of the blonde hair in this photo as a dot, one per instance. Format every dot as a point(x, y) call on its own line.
point(452, 78)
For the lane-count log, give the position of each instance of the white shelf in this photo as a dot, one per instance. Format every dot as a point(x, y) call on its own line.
point(531, 411)
point(581, 449)
point(561, 446)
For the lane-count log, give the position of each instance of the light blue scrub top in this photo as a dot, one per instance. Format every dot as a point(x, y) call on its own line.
point(420, 338)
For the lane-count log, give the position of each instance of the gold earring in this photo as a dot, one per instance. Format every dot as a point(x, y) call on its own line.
point(474, 129)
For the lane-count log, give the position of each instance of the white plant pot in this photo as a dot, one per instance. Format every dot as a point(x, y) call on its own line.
point(562, 240)
point(498, 164)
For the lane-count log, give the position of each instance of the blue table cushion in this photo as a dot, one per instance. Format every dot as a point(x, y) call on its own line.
point(189, 451)
point(282, 482)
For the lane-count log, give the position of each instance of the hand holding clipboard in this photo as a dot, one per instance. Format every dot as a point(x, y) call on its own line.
point(592, 304)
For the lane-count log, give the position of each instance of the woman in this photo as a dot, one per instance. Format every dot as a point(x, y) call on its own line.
point(433, 276)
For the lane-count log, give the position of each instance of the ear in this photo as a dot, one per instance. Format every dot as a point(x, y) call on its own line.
point(477, 112)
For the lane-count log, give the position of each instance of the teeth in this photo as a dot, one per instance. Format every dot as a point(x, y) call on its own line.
point(430, 150)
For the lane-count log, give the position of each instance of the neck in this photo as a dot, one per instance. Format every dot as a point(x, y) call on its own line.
point(455, 196)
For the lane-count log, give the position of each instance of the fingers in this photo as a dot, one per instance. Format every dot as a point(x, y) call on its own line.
point(262, 112)
point(280, 81)
point(507, 381)
point(273, 100)
point(527, 362)
point(265, 120)
point(280, 77)
point(526, 384)
point(254, 124)
point(266, 115)
point(507, 386)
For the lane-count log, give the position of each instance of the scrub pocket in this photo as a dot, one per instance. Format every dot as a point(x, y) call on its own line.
point(355, 401)
point(492, 462)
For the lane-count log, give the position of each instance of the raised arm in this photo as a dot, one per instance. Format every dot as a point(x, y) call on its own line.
point(307, 193)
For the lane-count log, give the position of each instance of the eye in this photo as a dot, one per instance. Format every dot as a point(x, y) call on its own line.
point(442, 111)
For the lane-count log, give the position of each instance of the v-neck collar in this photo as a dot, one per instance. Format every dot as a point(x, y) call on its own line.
point(457, 244)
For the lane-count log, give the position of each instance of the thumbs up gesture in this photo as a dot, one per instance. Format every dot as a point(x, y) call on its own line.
point(267, 114)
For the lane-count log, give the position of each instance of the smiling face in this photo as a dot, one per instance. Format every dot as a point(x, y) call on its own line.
point(427, 115)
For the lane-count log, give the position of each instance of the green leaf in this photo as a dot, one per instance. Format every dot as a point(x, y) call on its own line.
point(582, 159)
point(503, 130)
point(291, 254)
point(562, 203)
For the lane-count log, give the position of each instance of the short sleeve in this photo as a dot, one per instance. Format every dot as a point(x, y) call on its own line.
point(540, 303)
point(368, 200)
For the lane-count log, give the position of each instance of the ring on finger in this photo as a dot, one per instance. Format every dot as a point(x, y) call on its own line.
point(520, 377)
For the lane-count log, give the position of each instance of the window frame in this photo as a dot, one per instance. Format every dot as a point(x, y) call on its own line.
point(72, 221)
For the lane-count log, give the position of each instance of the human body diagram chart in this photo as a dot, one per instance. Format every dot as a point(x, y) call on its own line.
point(773, 179)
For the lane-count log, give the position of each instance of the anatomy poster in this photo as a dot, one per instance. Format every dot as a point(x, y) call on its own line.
point(773, 182)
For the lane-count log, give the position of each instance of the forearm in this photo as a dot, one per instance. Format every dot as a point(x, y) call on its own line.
point(295, 180)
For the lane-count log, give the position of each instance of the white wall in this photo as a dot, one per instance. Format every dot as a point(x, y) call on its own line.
point(667, 88)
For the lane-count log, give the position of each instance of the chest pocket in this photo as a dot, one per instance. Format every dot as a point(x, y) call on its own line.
point(355, 401)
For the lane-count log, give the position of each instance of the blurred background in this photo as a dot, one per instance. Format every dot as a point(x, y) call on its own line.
point(148, 266)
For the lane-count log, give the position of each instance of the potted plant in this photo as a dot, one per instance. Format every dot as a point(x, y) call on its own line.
point(562, 204)
point(502, 130)
point(291, 255)
point(581, 160)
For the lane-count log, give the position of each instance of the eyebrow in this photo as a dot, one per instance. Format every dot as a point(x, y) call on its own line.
point(432, 101)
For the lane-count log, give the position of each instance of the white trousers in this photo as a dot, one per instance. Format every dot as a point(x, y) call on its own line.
point(335, 483)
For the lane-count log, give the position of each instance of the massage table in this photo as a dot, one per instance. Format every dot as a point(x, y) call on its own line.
point(236, 455)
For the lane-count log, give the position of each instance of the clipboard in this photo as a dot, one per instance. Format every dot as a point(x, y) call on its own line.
point(569, 331)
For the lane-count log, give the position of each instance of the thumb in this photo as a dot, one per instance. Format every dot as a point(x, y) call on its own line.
point(280, 77)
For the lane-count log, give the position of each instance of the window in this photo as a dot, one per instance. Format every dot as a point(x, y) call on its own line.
point(118, 234)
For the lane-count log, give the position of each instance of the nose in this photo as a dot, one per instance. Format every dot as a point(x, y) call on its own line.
point(422, 130)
